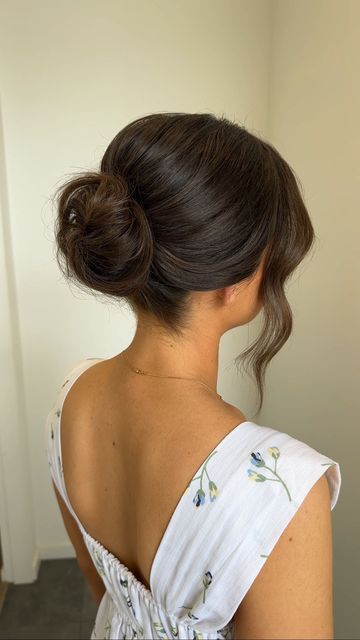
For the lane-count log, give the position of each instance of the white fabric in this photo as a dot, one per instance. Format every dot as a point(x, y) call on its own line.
point(216, 542)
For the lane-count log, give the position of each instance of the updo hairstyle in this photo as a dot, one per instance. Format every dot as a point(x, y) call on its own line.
point(186, 202)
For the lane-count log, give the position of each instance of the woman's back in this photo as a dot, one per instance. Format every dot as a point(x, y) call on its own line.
point(129, 448)
point(180, 500)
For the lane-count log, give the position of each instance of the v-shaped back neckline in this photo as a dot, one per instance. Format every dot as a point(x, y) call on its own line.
point(114, 559)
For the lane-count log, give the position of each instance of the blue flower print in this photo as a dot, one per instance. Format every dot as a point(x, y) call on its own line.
point(207, 580)
point(258, 461)
point(199, 498)
point(126, 593)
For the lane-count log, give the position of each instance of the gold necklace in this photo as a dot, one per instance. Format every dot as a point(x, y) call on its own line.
point(158, 376)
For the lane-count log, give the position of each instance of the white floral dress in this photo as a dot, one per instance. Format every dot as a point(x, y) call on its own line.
point(223, 529)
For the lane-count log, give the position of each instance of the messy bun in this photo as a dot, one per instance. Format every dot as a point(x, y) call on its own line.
point(187, 202)
point(103, 234)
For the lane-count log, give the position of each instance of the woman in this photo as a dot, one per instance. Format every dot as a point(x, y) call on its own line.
point(188, 519)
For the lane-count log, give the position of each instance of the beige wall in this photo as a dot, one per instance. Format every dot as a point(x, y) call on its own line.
point(313, 389)
point(73, 74)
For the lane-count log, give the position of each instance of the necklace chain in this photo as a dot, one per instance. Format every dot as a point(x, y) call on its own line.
point(140, 371)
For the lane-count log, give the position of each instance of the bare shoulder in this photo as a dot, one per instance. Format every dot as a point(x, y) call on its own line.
point(292, 595)
point(92, 375)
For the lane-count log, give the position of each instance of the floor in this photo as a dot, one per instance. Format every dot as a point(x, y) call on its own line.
point(58, 605)
point(3, 591)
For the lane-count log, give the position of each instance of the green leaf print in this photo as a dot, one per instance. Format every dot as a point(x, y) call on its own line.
point(160, 631)
point(97, 559)
point(125, 589)
point(199, 498)
point(258, 461)
point(227, 631)
point(189, 612)
point(207, 580)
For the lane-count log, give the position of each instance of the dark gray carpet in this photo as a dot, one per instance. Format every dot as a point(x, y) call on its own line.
point(57, 606)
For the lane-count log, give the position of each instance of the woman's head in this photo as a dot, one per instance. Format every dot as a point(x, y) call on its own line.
point(185, 203)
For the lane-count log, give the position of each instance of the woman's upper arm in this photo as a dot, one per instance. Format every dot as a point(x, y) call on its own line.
point(292, 596)
point(74, 533)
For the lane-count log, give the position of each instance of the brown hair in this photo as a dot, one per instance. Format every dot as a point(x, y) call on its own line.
point(186, 202)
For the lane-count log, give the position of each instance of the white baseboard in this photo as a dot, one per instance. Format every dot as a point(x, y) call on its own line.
point(31, 571)
point(36, 564)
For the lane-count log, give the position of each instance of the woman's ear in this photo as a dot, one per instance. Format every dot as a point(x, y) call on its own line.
point(229, 293)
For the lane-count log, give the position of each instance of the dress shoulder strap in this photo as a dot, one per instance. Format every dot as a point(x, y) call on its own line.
point(213, 549)
point(275, 475)
point(52, 429)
